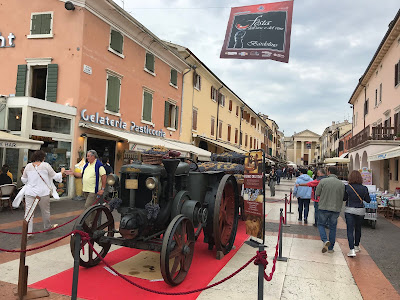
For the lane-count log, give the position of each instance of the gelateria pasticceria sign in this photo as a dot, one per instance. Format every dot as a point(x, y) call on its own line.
point(120, 124)
point(259, 32)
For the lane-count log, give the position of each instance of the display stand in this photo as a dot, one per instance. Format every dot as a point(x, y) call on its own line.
point(23, 293)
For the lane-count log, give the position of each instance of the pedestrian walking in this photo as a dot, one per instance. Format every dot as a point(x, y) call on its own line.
point(355, 195)
point(321, 174)
point(303, 194)
point(331, 193)
point(93, 176)
point(272, 182)
point(278, 176)
point(290, 173)
point(38, 178)
point(310, 172)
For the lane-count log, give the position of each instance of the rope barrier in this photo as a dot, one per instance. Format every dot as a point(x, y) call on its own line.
point(85, 237)
point(43, 231)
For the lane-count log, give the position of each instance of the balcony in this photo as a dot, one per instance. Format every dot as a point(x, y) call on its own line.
point(378, 133)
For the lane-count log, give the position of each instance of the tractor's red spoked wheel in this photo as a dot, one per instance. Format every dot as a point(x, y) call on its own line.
point(226, 214)
point(97, 221)
point(177, 250)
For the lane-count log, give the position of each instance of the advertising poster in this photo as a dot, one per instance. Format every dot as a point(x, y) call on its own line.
point(366, 175)
point(259, 32)
point(253, 194)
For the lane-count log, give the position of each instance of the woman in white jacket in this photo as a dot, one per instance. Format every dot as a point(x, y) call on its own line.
point(38, 178)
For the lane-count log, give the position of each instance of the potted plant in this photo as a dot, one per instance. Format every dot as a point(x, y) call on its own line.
point(397, 137)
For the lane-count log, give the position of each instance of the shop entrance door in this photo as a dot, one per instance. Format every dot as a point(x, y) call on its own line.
point(103, 148)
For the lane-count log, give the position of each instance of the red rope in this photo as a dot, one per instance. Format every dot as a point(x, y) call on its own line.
point(47, 230)
point(85, 237)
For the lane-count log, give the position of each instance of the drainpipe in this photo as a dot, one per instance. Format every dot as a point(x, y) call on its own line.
point(216, 133)
point(183, 85)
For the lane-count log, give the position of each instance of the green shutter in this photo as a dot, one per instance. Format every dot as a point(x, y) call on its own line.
point(52, 78)
point(116, 41)
point(21, 81)
point(150, 62)
point(167, 121)
point(46, 24)
point(174, 77)
point(176, 116)
point(147, 106)
point(36, 24)
point(113, 85)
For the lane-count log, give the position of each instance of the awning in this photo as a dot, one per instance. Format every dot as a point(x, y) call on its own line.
point(336, 160)
point(344, 155)
point(142, 142)
point(394, 152)
point(8, 140)
point(222, 145)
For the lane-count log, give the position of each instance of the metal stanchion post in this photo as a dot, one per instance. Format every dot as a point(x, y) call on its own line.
point(280, 258)
point(285, 218)
point(290, 202)
point(260, 276)
point(75, 275)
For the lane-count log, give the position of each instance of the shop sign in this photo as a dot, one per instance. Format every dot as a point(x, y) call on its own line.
point(8, 145)
point(42, 138)
point(95, 118)
point(10, 38)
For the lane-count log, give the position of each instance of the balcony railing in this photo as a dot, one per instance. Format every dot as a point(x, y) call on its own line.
point(378, 133)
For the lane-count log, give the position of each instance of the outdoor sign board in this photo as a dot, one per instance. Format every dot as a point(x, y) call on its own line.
point(366, 175)
point(259, 32)
point(254, 194)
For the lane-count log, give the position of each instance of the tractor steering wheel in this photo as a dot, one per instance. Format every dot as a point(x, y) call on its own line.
point(197, 166)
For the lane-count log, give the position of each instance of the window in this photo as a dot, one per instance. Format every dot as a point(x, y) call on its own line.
point(197, 81)
point(251, 142)
point(221, 99)
point(214, 94)
point(147, 106)
point(37, 79)
point(241, 138)
point(51, 123)
point(230, 105)
point(194, 121)
point(113, 92)
point(380, 93)
point(229, 133)
point(245, 140)
point(397, 74)
point(14, 119)
point(396, 169)
point(236, 135)
point(220, 129)
point(237, 110)
point(149, 66)
point(41, 25)
point(366, 104)
point(171, 115)
point(212, 126)
point(174, 77)
point(116, 42)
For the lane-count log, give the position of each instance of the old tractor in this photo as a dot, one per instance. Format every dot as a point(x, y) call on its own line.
point(164, 208)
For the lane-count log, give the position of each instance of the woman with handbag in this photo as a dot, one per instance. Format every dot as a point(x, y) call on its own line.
point(38, 178)
point(355, 194)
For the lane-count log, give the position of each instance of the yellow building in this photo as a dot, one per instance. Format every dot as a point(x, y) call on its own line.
point(230, 126)
point(272, 136)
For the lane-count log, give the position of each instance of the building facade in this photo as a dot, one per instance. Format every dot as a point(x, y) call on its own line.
point(329, 143)
point(301, 147)
point(376, 113)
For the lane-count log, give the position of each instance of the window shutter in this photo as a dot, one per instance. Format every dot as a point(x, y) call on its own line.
point(396, 74)
point(147, 106)
point(174, 77)
point(113, 93)
point(237, 110)
point(194, 126)
point(167, 121)
point(52, 79)
point(36, 24)
point(230, 105)
point(212, 90)
point(194, 78)
point(116, 41)
point(46, 24)
point(212, 126)
point(150, 62)
point(176, 116)
point(21, 81)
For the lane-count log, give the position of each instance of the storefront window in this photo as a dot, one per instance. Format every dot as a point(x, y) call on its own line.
point(14, 119)
point(51, 123)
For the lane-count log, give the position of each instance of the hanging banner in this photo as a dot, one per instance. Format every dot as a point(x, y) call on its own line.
point(253, 193)
point(366, 175)
point(259, 32)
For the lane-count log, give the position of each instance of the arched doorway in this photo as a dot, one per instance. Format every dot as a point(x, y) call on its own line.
point(364, 162)
point(357, 162)
point(351, 167)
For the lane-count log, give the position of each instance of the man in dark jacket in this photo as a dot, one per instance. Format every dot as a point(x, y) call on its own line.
point(331, 193)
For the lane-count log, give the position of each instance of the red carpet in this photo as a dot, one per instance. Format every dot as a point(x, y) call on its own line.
point(97, 283)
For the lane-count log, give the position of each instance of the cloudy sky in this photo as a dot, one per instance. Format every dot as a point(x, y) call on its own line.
point(332, 43)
